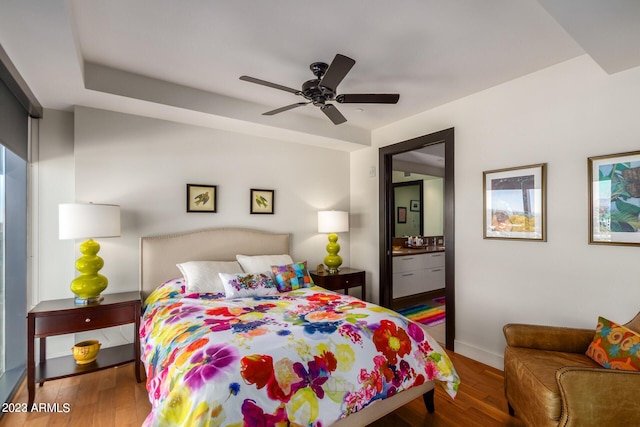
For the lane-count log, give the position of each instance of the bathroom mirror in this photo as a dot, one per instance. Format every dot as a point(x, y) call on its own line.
point(408, 208)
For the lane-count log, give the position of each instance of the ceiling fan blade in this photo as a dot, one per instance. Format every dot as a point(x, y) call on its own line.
point(285, 108)
point(334, 115)
point(266, 83)
point(368, 98)
point(339, 68)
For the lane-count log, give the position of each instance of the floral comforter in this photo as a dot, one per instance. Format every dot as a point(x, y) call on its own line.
point(307, 357)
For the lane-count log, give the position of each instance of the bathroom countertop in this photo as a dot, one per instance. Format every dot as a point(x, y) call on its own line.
point(418, 250)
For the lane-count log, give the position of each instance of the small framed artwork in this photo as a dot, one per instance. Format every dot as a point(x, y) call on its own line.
point(402, 215)
point(614, 199)
point(201, 198)
point(262, 201)
point(414, 206)
point(514, 202)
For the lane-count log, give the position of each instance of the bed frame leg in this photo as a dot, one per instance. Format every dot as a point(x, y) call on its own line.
point(428, 400)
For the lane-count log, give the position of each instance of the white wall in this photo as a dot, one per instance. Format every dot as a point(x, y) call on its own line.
point(51, 184)
point(560, 116)
point(434, 207)
point(144, 165)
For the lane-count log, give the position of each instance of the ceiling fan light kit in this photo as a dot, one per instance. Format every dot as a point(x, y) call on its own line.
point(323, 89)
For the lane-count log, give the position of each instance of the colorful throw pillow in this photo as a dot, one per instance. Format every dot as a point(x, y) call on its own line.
point(202, 276)
point(248, 284)
point(615, 347)
point(292, 276)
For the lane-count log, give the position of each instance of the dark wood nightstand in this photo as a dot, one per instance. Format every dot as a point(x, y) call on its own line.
point(58, 317)
point(344, 279)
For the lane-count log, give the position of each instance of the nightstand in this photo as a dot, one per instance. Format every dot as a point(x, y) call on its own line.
point(345, 278)
point(58, 317)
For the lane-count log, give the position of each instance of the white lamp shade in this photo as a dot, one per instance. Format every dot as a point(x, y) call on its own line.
point(333, 221)
point(85, 221)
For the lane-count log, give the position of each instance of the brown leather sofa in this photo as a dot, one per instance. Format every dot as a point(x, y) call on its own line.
point(549, 381)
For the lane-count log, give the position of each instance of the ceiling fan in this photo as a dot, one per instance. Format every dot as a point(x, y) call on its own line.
point(323, 88)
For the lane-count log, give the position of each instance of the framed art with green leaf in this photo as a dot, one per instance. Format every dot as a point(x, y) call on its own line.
point(614, 199)
point(262, 201)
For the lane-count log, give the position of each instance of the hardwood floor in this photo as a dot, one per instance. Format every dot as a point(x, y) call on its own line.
point(480, 401)
point(113, 398)
point(109, 398)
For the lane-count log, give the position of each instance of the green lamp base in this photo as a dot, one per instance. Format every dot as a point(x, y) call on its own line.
point(88, 286)
point(333, 261)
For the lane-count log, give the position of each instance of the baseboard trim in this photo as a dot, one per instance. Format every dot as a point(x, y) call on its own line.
point(479, 354)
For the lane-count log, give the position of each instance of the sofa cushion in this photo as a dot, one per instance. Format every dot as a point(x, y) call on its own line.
point(531, 385)
point(615, 347)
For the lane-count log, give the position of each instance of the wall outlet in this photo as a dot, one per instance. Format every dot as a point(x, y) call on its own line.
point(372, 171)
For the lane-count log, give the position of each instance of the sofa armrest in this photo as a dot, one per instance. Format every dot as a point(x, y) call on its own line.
point(598, 396)
point(555, 338)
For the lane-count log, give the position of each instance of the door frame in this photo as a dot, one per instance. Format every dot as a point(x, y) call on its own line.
point(387, 216)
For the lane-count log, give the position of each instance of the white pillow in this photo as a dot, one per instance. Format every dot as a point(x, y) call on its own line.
point(248, 284)
point(262, 263)
point(202, 276)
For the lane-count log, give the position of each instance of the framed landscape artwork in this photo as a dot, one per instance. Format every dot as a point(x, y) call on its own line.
point(515, 203)
point(614, 199)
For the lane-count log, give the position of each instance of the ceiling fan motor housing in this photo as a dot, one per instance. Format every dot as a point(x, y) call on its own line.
point(314, 92)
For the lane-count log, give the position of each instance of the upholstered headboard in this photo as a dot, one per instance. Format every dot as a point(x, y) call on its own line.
point(160, 254)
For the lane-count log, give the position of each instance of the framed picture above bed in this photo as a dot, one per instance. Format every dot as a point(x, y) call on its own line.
point(201, 198)
point(614, 199)
point(262, 201)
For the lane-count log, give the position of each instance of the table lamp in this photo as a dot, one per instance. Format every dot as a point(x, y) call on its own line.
point(333, 222)
point(86, 221)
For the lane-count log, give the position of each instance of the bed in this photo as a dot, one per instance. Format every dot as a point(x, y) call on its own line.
point(308, 356)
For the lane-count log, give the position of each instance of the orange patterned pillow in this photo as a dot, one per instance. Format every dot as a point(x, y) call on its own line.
point(615, 347)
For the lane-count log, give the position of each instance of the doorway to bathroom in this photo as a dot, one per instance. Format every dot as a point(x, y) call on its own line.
point(388, 219)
